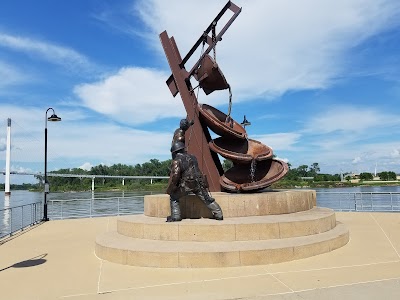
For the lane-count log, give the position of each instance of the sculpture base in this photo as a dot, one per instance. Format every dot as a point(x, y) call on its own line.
point(255, 237)
point(271, 202)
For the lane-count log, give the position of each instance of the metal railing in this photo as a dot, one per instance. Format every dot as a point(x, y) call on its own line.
point(95, 207)
point(360, 201)
point(18, 218)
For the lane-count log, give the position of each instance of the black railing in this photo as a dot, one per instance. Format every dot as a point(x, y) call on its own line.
point(18, 218)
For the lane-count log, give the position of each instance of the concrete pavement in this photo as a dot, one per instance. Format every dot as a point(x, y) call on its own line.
point(56, 260)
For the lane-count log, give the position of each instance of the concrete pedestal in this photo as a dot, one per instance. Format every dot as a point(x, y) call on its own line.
point(261, 228)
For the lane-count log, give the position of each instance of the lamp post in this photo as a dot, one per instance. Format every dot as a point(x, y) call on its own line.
point(245, 122)
point(52, 118)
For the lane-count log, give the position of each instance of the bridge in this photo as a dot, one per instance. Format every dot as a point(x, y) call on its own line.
point(92, 176)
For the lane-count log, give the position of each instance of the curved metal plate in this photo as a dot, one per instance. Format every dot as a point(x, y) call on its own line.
point(240, 151)
point(238, 178)
point(216, 121)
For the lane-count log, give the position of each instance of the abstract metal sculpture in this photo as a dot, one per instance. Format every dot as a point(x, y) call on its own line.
point(254, 168)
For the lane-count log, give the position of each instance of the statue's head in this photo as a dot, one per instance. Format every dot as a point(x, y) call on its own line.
point(185, 124)
point(176, 148)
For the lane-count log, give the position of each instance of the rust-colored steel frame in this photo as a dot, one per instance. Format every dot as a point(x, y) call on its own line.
point(179, 82)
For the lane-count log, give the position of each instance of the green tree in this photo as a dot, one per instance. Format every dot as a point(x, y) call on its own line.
point(392, 175)
point(302, 171)
point(314, 170)
point(384, 175)
point(387, 175)
point(366, 176)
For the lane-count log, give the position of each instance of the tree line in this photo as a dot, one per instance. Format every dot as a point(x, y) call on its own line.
point(385, 176)
point(300, 176)
point(154, 167)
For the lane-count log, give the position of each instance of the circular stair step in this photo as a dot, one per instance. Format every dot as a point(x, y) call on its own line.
point(309, 222)
point(118, 248)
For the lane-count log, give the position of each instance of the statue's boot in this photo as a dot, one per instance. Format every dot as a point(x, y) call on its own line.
point(175, 212)
point(215, 210)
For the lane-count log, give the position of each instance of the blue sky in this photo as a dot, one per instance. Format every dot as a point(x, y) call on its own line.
point(319, 80)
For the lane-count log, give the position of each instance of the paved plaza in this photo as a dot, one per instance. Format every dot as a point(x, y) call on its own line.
point(56, 260)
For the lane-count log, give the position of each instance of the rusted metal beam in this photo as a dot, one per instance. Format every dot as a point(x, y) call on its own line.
point(197, 137)
point(205, 37)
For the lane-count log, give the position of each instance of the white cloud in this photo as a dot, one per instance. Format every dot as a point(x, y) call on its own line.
point(86, 166)
point(50, 52)
point(10, 75)
point(395, 153)
point(133, 96)
point(271, 48)
point(20, 169)
point(72, 142)
point(350, 119)
point(106, 143)
point(356, 160)
point(279, 141)
point(275, 46)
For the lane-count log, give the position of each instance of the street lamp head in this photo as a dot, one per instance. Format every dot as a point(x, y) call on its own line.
point(54, 118)
point(245, 122)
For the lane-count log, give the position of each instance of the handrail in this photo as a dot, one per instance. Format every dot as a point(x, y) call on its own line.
point(17, 218)
point(95, 207)
point(360, 201)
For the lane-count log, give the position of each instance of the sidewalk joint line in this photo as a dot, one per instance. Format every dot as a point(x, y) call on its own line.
point(339, 267)
point(283, 283)
point(99, 278)
point(332, 286)
point(398, 255)
point(350, 284)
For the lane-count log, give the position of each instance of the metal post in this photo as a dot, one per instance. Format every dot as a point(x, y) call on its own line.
point(372, 203)
point(46, 185)
point(8, 159)
point(362, 205)
point(391, 200)
point(53, 118)
point(355, 202)
point(22, 217)
point(11, 221)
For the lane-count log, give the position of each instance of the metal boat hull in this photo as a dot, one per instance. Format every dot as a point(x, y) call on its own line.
point(240, 151)
point(239, 179)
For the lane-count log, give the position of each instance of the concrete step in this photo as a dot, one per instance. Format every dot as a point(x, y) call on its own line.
point(303, 223)
point(121, 249)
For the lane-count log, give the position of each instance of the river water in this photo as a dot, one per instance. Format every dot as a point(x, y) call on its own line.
point(18, 198)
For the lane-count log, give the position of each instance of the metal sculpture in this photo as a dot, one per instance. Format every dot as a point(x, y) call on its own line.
point(254, 168)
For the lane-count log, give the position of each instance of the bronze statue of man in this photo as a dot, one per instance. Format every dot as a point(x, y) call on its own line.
point(186, 177)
